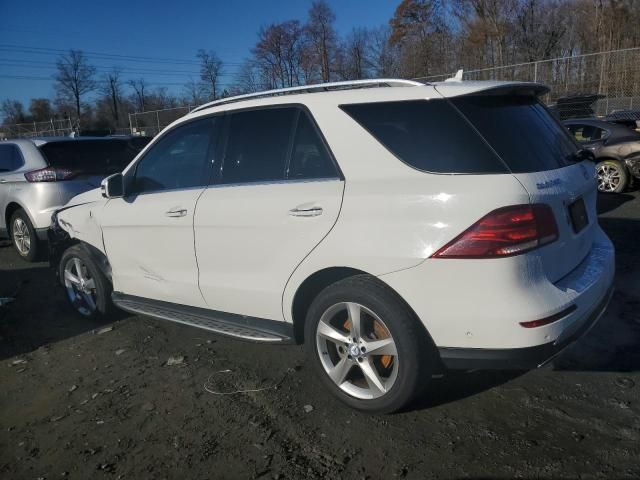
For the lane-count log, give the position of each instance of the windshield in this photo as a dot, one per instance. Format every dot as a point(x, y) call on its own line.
point(91, 157)
point(520, 130)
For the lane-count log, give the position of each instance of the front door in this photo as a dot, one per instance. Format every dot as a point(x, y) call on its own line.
point(148, 234)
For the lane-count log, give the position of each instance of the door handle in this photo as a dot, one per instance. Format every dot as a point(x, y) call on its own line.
point(305, 212)
point(179, 212)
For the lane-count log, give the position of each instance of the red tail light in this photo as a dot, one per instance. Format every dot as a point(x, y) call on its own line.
point(504, 232)
point(49, 174)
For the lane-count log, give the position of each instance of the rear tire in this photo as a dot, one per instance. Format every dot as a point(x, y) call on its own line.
point(23, 236)
point(612, 176)
point(87, 289)
point(404, 358)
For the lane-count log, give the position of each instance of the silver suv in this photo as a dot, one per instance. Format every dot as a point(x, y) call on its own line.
point(38, 176)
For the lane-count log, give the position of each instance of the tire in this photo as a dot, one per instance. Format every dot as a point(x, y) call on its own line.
point(23, 236)
point(383, 317)
point(89, 293)
point(612, 176)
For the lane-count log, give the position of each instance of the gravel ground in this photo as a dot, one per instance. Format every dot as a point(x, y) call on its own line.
point(132, 399)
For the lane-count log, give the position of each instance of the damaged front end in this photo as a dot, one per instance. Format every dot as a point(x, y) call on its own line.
point(59, 241)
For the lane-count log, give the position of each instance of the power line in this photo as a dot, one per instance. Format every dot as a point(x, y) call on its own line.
point(109, 56)
point(103, 69)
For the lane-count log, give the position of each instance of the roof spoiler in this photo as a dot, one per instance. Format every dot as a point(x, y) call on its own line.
point(529, 89)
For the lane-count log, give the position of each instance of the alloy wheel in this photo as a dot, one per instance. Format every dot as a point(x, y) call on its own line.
point(80, 286)
point(608, 178)
point(21, 236)
point(357, 350)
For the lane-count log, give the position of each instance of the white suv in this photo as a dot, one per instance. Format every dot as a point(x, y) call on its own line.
point(394, 227)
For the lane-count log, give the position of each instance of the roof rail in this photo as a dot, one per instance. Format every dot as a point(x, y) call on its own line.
point(320, 87)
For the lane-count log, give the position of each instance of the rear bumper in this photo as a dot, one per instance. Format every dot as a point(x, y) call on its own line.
point(522, 358)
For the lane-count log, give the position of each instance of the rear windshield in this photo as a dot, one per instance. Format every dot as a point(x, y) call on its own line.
point(441, 136)
point(429, 135)
point(91, 157)
point(520, 129)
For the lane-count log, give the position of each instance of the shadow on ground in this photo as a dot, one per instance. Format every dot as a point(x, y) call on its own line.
point(39, 314)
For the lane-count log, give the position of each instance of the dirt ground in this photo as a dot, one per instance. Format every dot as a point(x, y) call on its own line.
point(84, 400)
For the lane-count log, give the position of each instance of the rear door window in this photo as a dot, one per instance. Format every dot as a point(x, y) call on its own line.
point(309, 158)
point(258, 145)
point(10, 158)
point(429, 135)
point(520, 130)
point(90, 157)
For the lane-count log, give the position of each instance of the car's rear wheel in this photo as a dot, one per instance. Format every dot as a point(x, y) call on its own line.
point(86, 287)
point(367, 346)
point(23, 236)
point(612, 176)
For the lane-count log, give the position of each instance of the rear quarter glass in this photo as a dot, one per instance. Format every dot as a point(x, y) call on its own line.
point(429, 135)
point(520, 129)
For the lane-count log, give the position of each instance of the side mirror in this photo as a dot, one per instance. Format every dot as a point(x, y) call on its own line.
point(113, 186)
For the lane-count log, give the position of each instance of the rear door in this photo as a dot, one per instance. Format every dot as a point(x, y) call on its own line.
point(277, 195)
point(541, 155)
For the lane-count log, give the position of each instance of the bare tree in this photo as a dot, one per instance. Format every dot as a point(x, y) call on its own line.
point(194, 93)
point(75, 77)
point(41, 110)
point(139, 86)
point(277, 54)
point(354, 56)
point(13, 111)
point(210, 71)
point(112, 88)
point(248, 78)
point(384, 55)
point(322, 36)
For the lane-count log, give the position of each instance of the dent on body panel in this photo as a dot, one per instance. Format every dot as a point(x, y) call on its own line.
point(83, 223)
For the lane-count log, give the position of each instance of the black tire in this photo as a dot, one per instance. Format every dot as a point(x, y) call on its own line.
point(19, 220)
point(103, 288)
point(416, 353)
point(612, 166)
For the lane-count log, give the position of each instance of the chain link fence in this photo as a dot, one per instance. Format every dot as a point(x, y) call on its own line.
point(152, 122)
point(52, 128)
point(601, 84)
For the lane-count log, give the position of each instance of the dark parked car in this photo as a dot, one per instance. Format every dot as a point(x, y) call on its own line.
point(616, 148)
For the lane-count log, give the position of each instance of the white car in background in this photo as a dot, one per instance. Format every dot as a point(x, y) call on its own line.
point(392, 226)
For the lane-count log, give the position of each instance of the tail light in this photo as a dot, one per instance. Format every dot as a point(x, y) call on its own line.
point(504, 232)
point(49, 174)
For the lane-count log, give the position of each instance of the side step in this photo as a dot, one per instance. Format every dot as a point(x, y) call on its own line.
point(229, 324)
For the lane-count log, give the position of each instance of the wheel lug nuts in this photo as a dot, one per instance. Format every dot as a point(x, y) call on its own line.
point(360, 359)
point(362, 349)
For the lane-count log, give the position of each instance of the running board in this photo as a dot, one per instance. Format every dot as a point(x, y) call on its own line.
point(228, 324)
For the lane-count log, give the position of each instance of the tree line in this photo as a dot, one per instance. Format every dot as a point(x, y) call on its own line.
point(423, 38)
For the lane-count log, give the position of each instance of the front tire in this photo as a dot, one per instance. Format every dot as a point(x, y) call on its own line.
point(87, 289)
point(367, 346)
point(23, 236)
point(612, 176)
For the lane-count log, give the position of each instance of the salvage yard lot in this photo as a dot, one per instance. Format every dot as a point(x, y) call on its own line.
point(133, 399)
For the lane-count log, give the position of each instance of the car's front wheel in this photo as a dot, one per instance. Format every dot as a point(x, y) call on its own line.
point(612, 176)
point(87, 288)
point(367, 346)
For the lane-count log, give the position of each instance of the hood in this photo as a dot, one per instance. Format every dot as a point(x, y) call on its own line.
point(89, 196)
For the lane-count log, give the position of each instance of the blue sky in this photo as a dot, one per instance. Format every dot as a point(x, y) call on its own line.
point(162, 29)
